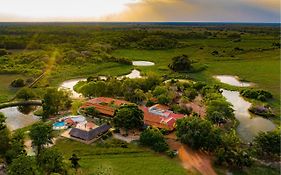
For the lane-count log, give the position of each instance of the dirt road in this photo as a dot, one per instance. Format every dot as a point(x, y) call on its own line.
point(192, 159)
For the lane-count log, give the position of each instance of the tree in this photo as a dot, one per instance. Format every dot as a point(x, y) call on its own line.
point(180, 63)
point(16, 146)
point(159, 90)
point(233, 157)
point(51, 161)
point(23, 165)
point(2, 121)
point(219, 106)
point(55, 100)
point(74, 161)
point(4, 135)
point(128, 117)
point(198, 133)
point(40, 134)
point(91, 111)
point(4, 140)
point(75, 105)
point(268, 143)
point(163, 99)
point(154, 139)
point(138, 96)
point(216, 117)
point(190, 93)
point(230, 152)
point(25, 94)
point(150, 82)
point(18, 83)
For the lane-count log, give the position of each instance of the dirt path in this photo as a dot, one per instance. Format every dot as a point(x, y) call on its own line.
point(192, 159)
point(200, 161)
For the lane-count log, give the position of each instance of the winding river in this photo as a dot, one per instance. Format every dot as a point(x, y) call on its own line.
point(250, 125)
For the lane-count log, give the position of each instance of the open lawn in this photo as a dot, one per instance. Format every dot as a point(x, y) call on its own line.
point(110, 158)
point(65, 72)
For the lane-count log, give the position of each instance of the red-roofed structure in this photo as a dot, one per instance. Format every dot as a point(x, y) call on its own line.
point(158, 115)
point(105, 105)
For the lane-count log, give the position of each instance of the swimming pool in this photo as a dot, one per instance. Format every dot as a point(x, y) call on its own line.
point(59, 125)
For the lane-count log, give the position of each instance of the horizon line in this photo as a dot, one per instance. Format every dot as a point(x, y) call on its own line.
point(248, 22)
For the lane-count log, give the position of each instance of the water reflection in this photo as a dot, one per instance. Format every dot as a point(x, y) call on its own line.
point(143, 63)
point(232, 80)
point(16, 119)
point(250, 125)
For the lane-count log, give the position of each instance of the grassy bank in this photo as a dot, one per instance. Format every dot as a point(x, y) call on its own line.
point(7, 92)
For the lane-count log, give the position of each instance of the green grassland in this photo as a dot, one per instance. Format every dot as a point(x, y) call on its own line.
point(56, 48)
point(259, 67)
point(110, 159)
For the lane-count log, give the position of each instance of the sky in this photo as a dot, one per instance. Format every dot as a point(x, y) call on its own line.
point(140, 10)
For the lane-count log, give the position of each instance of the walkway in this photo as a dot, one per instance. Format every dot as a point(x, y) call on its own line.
point(127, 139)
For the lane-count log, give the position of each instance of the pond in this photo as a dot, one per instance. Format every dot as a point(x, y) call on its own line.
point(250, 124)
point(143, 63)
point(16, 119)
point(69, 84)
point(232, 80)
point(134, 74)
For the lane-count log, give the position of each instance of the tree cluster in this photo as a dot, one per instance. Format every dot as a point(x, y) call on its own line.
point(153, 138)
point(128, 117)
point(261, 95)
point(132, 89)
point(201, 134)
point(55, 100)
point(181, 64)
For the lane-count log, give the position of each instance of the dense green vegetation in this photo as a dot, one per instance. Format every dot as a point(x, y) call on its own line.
point(153, 138)
point(128, 117)
point(63, 51)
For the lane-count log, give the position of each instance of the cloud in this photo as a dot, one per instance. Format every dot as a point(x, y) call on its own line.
point(141, 10)
point(201, 10)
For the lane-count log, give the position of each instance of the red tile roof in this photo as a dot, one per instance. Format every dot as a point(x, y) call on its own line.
point(106, 109)
point(158, 120)
point(166, 122)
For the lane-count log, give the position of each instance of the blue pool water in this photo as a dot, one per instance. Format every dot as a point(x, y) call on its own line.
point(59, 124)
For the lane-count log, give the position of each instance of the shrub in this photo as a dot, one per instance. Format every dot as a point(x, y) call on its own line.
point(198, 133)
point(171, 154)
point(149, 103)
point(260, 95)
point(180, 63)
point(25, 94)
point(268, 143)
point(190, 93)
point(18, 83)
point(154, 139)
point(215, 52)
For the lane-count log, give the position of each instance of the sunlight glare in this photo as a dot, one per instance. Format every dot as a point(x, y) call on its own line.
point(64, 8)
